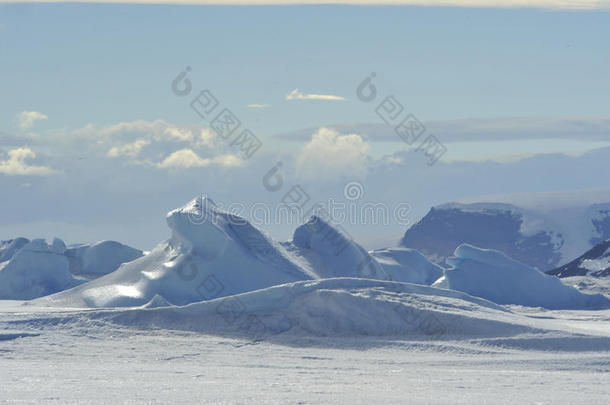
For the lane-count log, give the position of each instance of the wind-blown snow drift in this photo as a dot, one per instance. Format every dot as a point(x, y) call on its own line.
point(210, 254)
point(35, 270)
point(494, 276)
point(335, 307)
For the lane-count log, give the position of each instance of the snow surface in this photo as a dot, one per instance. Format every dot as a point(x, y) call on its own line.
point(493, 275)
point(54, 355)
point(589, 284)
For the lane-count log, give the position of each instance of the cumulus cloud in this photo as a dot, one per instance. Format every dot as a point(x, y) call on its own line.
point(330, 153)
point(27, 118)
point(297, 95)
point(130, 150)
point(16, 164)
point(187, 158)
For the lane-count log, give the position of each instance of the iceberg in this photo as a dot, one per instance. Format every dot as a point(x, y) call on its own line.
point(100, 258)
point(211, 253)
point(492, 275)
point(407, 265)
point(35, 270)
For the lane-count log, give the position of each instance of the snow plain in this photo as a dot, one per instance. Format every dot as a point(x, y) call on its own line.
point(51, 356)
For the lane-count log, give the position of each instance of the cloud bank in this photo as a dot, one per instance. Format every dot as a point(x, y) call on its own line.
point(492, 129)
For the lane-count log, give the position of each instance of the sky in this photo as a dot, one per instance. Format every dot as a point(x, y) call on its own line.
point(96, 144)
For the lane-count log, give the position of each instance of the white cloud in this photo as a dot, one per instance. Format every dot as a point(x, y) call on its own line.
point(16, 164)
point(207, 138)
point(153, 144)
point(147, 140)
point(130, 150)
point(157, 130)
point(561, 4)
point(27, 118)
point(187, 158)
point(179, 134)
point(329, 153)
point(258, 105)
point(297, 95)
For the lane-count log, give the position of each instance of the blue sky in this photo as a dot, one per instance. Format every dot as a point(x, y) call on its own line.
point(99, 75)
point(91, 63)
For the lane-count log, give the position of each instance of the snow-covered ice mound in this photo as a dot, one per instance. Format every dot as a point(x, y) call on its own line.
point(35, 270)
point(210, 254)
point(100, 258)
point(327, 252)
point(9, 247)
point(334, 307)
point(494, 276)
point(407, 265)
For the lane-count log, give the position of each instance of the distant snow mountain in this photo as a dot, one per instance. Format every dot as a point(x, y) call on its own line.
point(595, 262)
point(492, 275)
point(543, 230)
